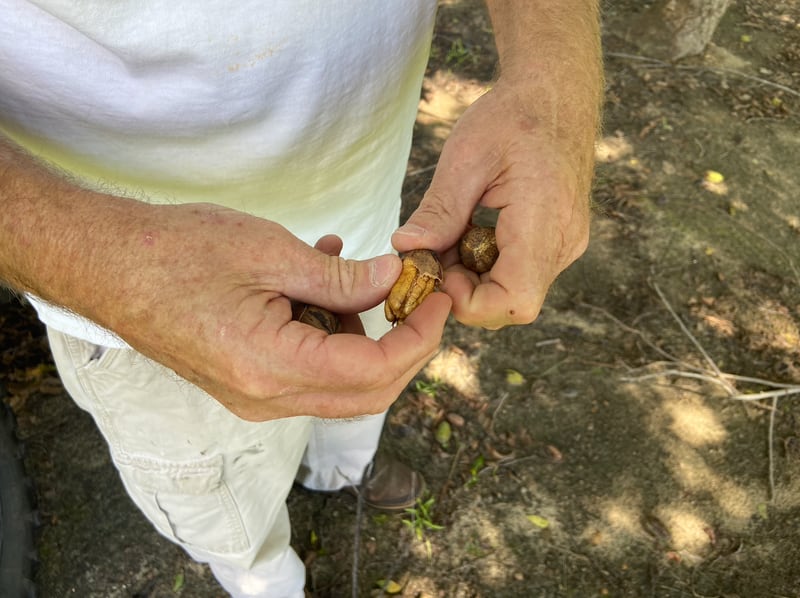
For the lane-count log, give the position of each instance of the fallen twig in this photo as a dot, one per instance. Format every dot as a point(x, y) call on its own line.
point(680, 374)
point(507, 463)
point(713, 69)
point(770, 449)
point(769, 394)
point(446, 486)
point(357, 545)
point(679, 368)
point(356, 530)
point(420, 171)
point(503, 398)
point(691, 337)
point(639, 333)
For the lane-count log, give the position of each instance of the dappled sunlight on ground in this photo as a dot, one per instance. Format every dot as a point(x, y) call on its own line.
point(579, 479)
point(620, 524)
point(452, 366)
point(694, 422)
point(613, 148)
point(697, 477)
point(688, 530)
point(445, 97)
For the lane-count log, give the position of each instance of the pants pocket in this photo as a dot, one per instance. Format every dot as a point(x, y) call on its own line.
point(188, 502)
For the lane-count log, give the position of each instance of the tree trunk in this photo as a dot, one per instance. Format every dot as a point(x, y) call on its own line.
point(672, 29)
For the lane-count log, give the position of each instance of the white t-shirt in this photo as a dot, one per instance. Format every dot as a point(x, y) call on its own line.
point(298, 111)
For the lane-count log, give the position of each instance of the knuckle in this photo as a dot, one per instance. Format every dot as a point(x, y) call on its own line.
point(339, 276)
point(573, 247)
point(438, 206)
point(574, 237)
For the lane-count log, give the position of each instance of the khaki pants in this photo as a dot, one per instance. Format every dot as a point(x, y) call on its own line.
point(207, 480)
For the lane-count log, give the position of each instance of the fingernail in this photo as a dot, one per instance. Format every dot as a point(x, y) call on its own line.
point(412, 230)
point(381, 271)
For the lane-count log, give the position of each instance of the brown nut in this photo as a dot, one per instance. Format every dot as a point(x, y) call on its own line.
point(478, 249)
point(316, 316)
point(420, 276)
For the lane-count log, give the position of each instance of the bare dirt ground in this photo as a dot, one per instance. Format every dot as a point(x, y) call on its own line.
point(604, 450)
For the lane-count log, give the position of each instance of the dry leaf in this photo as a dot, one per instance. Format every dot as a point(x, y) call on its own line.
point(763, 510)
point(554, 453)
point(514, 378)
point(389, 586)
point(455, 419)
point(538, 521)
point(443, 433)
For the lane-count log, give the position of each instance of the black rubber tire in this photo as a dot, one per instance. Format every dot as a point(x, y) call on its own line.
point(18, 518)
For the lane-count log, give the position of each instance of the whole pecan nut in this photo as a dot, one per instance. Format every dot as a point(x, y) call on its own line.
point(478, 249)
point(316, 316)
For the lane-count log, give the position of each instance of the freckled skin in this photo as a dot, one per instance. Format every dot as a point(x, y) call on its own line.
point(420, 276)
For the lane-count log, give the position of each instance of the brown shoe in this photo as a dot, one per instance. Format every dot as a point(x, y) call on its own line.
point(389, 485)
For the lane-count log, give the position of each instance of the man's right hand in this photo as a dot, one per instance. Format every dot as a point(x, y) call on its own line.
point(206, 292)
point(218, 313)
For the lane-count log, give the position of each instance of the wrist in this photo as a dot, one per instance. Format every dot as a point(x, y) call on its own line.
point(550, 62)
point(568, 130)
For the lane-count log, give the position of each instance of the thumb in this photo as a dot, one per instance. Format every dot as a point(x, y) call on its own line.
point(342, 285)
point(445, 210)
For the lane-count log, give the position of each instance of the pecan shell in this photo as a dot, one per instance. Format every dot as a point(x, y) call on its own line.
point(421, 275)
point(478, 249)
point(316, 316)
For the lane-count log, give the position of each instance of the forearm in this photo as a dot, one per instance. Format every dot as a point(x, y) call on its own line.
point(550, 51)
point(56, 237)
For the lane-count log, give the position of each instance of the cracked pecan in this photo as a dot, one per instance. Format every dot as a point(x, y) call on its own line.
point(420, 276)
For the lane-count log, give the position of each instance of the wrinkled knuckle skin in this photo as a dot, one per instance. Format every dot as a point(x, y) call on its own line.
point(339, 276)
point(574, 237)
point(436, 207)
